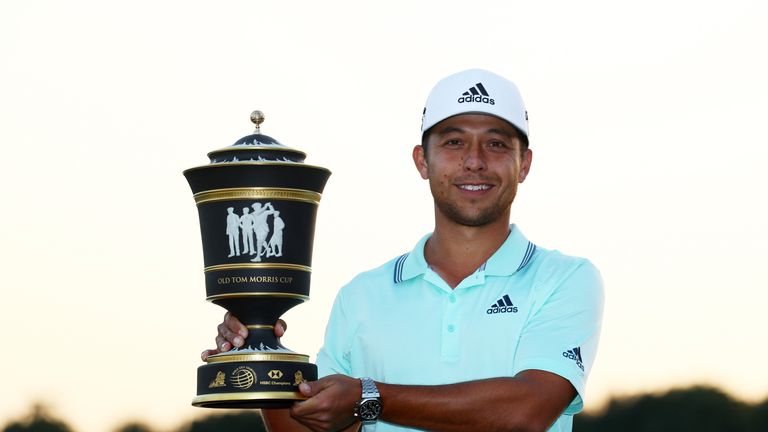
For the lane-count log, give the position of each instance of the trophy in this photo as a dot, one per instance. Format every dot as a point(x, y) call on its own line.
point(257, 201)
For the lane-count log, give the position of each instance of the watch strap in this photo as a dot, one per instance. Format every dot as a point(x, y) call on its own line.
point(369, 388)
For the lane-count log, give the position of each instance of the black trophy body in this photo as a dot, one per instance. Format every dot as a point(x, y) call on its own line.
point(257, 202)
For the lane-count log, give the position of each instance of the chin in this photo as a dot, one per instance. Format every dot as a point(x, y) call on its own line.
point(480, 219)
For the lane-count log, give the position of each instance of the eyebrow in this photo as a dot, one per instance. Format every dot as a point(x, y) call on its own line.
point(503, 132)
point(450, 129)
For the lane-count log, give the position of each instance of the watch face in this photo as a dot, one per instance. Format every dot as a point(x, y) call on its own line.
point(370, 409)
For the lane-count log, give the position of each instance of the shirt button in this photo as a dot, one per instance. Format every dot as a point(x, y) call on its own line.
point(451, 328)
point(452, 298)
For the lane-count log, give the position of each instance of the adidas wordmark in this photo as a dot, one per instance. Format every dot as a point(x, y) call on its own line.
point(502, 305)
point(476, 93)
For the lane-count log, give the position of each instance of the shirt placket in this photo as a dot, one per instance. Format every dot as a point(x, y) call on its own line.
point(451, 328)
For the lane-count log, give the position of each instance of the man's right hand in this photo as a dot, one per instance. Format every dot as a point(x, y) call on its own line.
point(232, 334)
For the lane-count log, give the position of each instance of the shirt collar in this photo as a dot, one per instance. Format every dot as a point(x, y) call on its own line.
point(512, 256)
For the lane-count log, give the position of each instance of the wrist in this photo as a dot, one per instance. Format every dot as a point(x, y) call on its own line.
point(368, 408)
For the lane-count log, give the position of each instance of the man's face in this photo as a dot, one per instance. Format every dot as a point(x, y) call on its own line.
point(473, 164)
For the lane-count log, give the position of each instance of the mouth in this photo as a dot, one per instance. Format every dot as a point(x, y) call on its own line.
point(474, 187)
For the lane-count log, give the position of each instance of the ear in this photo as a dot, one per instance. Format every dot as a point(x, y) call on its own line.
point(420, 160)
point(525, 165)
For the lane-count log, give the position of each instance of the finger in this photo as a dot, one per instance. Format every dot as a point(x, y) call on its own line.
point(227, 336)
point(311, 406)
point(280, 328)
point(328, 405)
point(306, 389)
point(235, 326)
point(304, 411)
point(222, 345)
point(207, 353)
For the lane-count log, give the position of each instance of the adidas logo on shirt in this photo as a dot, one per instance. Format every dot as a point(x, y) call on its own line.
point(476, 93)
point(503, 305)
point(575, 354)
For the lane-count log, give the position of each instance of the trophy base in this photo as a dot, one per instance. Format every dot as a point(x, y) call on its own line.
point(252, 380)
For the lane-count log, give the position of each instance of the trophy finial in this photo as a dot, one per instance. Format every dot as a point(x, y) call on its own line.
point(257, 117)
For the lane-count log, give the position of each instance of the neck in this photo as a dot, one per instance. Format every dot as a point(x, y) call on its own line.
point(455, 251)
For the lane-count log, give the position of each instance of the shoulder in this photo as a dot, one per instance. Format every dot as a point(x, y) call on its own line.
point(381, 276)
point(553, 270)
point(365, 295)
point(373, 286)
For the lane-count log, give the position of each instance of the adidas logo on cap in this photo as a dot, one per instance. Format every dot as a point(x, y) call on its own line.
point(477, 93)
point(502, 305)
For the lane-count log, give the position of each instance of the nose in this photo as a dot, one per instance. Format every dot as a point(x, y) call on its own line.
point(474, 159)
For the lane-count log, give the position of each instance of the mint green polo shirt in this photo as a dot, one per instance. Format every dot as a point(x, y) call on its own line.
point(525, 308)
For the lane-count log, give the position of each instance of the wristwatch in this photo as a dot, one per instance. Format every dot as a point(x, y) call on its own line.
point(368, 408)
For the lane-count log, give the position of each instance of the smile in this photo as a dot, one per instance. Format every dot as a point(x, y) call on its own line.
point(475, 187)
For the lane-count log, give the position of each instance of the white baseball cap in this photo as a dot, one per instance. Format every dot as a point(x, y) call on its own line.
point(475, 91)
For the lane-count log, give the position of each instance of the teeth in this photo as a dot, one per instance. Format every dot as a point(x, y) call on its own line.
point(475, 187)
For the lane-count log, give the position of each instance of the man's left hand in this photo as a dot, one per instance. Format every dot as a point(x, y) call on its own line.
point(331, 403)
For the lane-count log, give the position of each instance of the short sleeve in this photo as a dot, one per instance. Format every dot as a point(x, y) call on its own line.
point(333, 357)
point(561, 337)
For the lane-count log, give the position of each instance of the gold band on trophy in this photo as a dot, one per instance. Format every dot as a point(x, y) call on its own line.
point(241, 266)
point(215, 397)
point(232, 356)
point(264, 149)
point(259, 326)
point(257, 294)
point(255, 193)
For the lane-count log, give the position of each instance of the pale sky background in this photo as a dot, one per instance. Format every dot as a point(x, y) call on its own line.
point(647, 125)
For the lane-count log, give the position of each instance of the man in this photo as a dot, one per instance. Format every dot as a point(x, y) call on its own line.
point(261, 227)
point(246, 223)
point(233, 231)
point(476, 329)
point(276, 241)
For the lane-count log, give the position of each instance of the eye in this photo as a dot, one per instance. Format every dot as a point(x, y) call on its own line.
point(497, 144)
point(452, 142)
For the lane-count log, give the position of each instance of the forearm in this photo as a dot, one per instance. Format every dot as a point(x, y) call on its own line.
point(497, 404)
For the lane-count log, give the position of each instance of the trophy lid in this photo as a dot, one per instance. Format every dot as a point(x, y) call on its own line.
point(257, 147)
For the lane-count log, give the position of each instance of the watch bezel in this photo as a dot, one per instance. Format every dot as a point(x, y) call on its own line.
point(364, 408)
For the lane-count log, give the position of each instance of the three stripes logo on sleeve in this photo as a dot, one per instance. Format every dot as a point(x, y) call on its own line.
point(575, 355)
point(502, 305)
